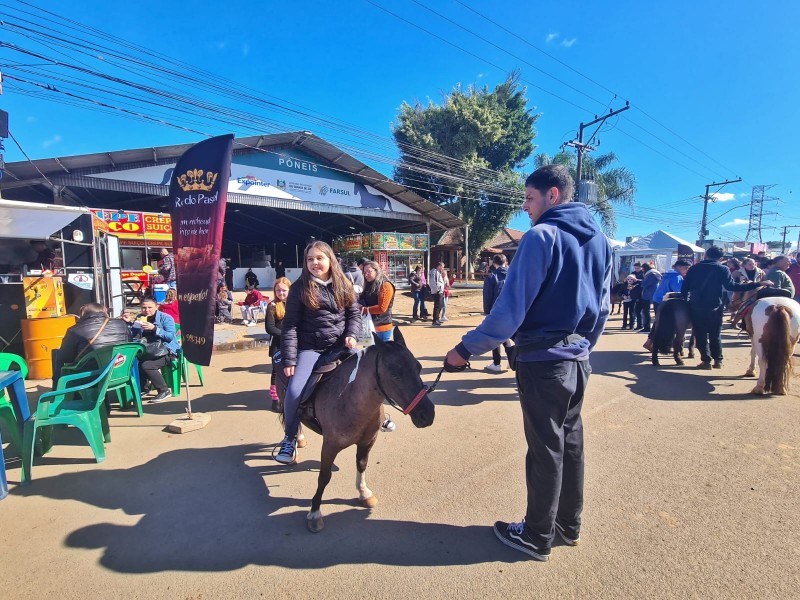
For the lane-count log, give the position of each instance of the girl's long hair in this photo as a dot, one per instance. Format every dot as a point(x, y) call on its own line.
point(373, 287)
point(280, 306)
point(340, 287)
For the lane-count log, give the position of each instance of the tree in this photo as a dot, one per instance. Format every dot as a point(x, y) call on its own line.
point(615, 185)
point(462, 154)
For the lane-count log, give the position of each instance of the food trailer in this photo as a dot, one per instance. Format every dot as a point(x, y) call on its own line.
point(39, 302)
point(141, 237)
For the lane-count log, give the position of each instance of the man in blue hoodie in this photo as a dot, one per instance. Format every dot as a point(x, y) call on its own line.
point(554, 305)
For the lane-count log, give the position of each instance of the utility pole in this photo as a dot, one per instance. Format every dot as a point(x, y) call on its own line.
point(783, 240)
point(581, 146)
point(703, 230)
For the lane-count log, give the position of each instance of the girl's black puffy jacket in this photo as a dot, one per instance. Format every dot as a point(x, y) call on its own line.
point(305, 328)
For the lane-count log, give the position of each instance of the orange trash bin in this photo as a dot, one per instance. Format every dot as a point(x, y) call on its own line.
point(40, 337)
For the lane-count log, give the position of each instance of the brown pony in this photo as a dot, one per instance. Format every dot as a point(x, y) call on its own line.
point(348, 407)
point(616, 296)
point(776, 330)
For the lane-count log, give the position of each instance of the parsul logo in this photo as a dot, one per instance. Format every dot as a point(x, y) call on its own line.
point(324, 190)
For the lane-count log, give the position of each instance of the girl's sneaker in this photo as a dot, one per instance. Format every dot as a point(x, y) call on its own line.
point(287, 455)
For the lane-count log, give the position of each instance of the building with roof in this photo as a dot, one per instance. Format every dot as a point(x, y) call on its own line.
point(285, 189)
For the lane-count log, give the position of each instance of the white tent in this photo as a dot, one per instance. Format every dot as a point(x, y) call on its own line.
point(659, 247)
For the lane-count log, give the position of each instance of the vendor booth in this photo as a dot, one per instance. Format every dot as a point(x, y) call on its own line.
point(396, 253)
point(39, 298)
point(660, 248)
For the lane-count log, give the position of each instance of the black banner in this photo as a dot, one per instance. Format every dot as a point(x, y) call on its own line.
point(198, 192)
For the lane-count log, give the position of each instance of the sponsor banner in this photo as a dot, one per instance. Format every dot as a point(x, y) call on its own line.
point(285, 174)
point(198, 193)
point(85, 281)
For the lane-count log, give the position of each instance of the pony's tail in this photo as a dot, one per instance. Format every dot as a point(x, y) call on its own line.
point(777, 345)
point(665, 330)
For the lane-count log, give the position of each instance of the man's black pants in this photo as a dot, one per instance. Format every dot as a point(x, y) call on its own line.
point(707, 329)
point(551, 395)
point(437, 306)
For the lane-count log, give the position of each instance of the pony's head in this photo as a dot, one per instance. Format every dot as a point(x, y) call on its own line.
point(399, 378)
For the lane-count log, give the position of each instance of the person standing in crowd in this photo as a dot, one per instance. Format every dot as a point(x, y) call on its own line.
point(436, 283)
point(280, 270)
point(748, 272)
point(703, 286)
point(377, 300)
point(492, 286)
point(250, 278)
point(445, 294)
point(628, 302)
point(155, 326)
point(166, 268)
point(417, 282)
point(170, 305)
point(762, 260)
point(356, 277)
point(638, 272)
point(228, 274)
point(251, 304)
point(794, 274)
point(275, 313)
point(650, 282)
point(222, 268)
point(321, 312)
point(224, 304)
point(554, 304)
point(777, 274)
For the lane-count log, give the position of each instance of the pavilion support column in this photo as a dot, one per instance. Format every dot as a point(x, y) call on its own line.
point(428, 253)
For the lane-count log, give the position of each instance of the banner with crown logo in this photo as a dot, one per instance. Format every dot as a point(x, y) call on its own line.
point(198, 192)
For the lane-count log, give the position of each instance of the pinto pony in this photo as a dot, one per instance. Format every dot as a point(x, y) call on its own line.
point(347, 406)
point(776, 330)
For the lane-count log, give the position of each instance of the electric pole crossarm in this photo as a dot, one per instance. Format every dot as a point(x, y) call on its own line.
point(581, 147)
point(704, 223)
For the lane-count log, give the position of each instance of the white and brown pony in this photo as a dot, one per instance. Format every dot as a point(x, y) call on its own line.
point(776, 330)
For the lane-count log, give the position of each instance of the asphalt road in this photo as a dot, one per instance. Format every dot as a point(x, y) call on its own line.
point(691, 491)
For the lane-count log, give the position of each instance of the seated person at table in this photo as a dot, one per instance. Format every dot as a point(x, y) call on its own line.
point(94, 330)
point(155, 326)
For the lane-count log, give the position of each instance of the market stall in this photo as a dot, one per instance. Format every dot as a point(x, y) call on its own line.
point(396, 253)
point(660, 248)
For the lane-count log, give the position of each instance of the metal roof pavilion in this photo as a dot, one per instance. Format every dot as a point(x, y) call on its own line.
point(72, 180)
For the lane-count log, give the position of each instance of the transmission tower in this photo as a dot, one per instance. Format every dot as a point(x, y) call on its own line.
point(757, 210)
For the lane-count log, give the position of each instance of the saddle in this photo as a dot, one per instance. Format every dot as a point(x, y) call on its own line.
point(326, 364)
point(747, 305)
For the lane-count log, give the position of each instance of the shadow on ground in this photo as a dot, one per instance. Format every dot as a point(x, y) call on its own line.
point(209, 510)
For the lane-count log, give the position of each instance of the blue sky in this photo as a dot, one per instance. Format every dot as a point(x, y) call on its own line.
point(720, 80)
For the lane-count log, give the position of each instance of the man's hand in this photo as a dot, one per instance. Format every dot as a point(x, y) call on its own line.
point(350, 342)
point(766, 283)
point(454, 358)
point(147, 326)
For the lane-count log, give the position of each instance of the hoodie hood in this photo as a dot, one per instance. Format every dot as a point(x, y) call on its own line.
point(573, 218)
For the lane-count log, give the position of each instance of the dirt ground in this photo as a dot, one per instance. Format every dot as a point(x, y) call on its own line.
point(691, 492)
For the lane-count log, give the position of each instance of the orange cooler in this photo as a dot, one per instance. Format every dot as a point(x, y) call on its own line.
point(40, 337)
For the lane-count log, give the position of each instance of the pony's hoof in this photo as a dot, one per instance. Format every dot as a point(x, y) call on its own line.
point(690, 355)
point(679, 363)
point(315, 524)
point(750, 373)
point(370, 502)
point(758, 390)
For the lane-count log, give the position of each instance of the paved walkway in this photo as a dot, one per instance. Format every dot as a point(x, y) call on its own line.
point(691, 492)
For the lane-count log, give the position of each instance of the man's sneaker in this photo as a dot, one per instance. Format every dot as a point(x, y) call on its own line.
point(388, 425)
point(252, 323)
point(717, 364)
point(288, 452)
point(160, 397)
point(514, 536)
point(493, 368)
point(706, 366)
point(443, 319)
point(568, 539)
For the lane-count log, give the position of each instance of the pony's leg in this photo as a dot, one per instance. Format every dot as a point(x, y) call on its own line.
point(751, 369)
point(691, 345)
point(762, 372)
point(677, 347)
point(365, 495)
point(314, 517)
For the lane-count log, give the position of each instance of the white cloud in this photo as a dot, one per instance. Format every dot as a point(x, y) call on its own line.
point(550, 37)
point(481, 75)
point(735, 223)
point(245, 49)
point(723, 196)
point(53, 140)
point(568, 43)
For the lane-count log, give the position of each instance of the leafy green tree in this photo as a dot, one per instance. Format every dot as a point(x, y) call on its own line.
point(462, 154)
point(616, 186)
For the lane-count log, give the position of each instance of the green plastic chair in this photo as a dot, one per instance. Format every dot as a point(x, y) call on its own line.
point(8, 362)
point(124, 376)
point(176, 370)
point(78, 400)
